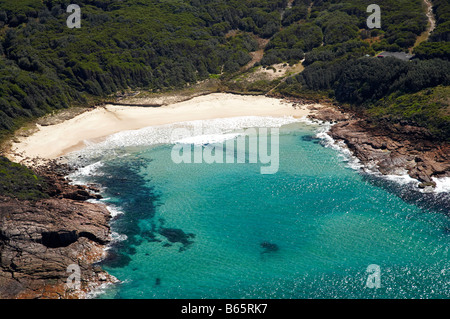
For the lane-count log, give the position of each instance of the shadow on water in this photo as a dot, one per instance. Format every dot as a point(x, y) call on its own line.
point(310, 138)
point(427, 202)
point(136, 199)
point(269, 247)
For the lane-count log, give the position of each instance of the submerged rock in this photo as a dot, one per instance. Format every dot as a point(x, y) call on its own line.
point(427, 184)
point(310, 138)
point(176, 235)
point(269, 247)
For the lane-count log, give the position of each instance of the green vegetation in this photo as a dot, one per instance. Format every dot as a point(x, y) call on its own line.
point(429, 108)
point(122, 44)
point(386, 89)
point(18, 181)
point(160, 45)
point(402, 21)
point(388, 84)
point(290, 43)
point(438, 45)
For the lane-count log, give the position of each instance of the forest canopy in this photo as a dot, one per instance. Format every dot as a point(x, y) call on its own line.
point(161, 45)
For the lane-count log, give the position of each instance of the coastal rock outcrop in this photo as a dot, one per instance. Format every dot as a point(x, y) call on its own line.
point(40, 239)
point(392, 149)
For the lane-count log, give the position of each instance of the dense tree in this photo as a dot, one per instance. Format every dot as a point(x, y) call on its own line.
point(166, 44)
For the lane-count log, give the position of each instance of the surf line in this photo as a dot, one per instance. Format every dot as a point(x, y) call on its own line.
point(199, 148)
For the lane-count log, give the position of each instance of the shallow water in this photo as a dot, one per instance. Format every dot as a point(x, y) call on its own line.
point(227, 231)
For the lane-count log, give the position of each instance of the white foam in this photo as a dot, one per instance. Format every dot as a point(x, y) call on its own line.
point(89, 170)
point(442, 184)
point(208, 139)
point(114, 210)
point(116, 237)
point(101, 289)
point(170, 133)
point(353, 162)
point(315, 122)
point(344, 152)
point(402, 178)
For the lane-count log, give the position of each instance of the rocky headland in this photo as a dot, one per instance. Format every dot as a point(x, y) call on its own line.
point(40, 239)
point(392, 149)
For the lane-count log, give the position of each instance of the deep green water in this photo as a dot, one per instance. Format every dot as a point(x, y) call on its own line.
point(227, 231)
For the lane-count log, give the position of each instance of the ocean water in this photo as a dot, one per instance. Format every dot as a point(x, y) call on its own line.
point(227, 231)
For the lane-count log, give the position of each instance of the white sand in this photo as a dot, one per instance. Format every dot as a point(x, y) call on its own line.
point(50, 142)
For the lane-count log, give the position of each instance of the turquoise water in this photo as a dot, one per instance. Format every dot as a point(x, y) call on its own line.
point(308, 231)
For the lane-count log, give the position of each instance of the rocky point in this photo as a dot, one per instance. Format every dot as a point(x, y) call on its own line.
point(40, 239)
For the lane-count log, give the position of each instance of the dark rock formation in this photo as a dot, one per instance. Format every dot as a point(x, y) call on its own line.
point(59, 187)
point(328, 114)
point(391, 148)
point(40, 239)
point(269, 247)
point(176, 235)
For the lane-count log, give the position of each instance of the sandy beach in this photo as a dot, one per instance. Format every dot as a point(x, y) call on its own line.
point(54, 141)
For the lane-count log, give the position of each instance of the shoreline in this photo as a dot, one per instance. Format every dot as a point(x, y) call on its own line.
point(53, 141)
point(391, 150)
point(370, 146)
point(44, 241)
point(73, 240)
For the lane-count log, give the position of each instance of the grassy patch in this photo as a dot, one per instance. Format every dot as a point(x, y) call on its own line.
point(429, 108)
point(20, 182)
